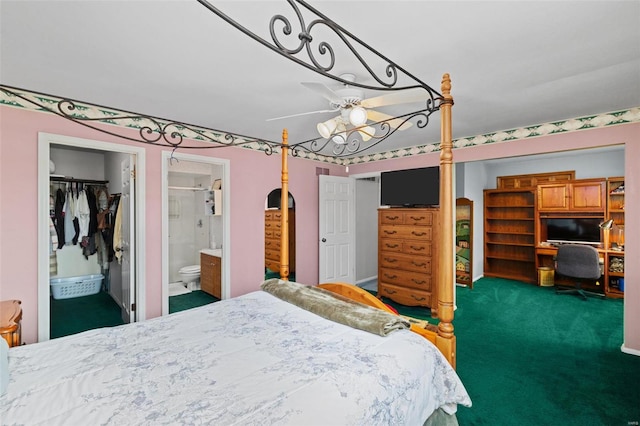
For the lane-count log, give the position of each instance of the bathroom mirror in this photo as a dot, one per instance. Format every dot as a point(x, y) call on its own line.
point(272, 232)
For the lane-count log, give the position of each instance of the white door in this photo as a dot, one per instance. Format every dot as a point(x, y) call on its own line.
point(336, 229)
point(127, 204)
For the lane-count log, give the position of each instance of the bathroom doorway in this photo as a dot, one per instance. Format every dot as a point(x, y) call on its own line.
point(195, 223)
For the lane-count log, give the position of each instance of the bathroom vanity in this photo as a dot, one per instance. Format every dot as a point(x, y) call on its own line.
point(211, 272)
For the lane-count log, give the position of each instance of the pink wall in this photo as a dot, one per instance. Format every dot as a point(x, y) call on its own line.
point(253, 176)
point(628, 134)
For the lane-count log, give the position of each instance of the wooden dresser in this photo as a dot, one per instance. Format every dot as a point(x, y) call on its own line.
point(272, 233)
point(211, 275)
point(11, 322)
point(407, 256)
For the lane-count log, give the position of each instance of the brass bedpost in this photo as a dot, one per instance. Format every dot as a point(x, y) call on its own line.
point(446, 283)
point(284, 210)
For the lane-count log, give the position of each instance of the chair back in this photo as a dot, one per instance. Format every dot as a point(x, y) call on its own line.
point(578, 261)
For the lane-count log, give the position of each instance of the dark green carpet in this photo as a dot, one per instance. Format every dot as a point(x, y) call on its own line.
point(528, 356)
point(71, 316)
point(190, 300)
point(272, 274)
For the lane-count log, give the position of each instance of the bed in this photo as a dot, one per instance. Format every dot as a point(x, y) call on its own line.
point(253, 359)
point(264, 357)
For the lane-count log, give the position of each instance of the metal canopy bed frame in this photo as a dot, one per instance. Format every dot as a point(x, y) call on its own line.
point(310, 53)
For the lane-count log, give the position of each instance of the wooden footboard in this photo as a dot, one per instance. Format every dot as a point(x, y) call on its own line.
point(445, 345)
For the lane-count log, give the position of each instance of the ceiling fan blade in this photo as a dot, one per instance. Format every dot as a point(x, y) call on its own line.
point(325, 92)
point(395, 123)
point(302, 113)
point(394, 98)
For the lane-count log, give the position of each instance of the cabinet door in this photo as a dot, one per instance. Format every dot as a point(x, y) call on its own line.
point(588, 196)
point(211, 275)
point(554, 197)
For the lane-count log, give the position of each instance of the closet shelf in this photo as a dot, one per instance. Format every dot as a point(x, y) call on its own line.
point(58, 178)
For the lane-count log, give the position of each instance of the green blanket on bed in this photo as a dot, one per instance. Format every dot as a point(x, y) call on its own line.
point(335, 307)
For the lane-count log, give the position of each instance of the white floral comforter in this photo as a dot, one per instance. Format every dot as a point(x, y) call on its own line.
point(253, 359)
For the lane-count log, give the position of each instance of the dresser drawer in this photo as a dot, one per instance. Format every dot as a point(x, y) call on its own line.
point(405, 246)
point(414, 218)
point(405, 296)
point(414, 280)
point(417, 247)
point(272, 244)
point(413, 263)
point(406, 232)
point(272, 225)
point(273, 265)
point(272, 255)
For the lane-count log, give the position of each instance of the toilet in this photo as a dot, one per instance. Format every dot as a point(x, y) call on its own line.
point(190, 276)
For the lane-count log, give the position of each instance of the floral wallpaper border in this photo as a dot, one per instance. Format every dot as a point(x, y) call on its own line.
point(105, 115)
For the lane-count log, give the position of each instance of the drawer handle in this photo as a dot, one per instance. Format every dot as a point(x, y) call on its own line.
point(418, 234)
point(391, 245)
point(419, 264)
point(390, 260)
point(393, 217)
point(390, 232)
point(418, 218)
point(419, 282)
point(417, 248)
point(419, 299)
point(391, 277)
point(389, 291)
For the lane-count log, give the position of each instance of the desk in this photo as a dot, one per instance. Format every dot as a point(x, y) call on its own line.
point(10, 322)
point(608, 284)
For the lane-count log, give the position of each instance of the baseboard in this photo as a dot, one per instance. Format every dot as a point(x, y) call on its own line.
point(629, 351)
point(363, 282)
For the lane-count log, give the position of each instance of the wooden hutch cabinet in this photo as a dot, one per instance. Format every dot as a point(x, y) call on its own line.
point(532, 180)
point(585, 195)
point(516, 218)
point(272, 233)
point(407, 256)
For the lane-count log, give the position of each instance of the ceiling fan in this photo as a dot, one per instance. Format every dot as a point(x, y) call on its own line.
point(355, 111)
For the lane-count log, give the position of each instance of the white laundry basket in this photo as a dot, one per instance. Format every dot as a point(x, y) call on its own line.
point(66, 288)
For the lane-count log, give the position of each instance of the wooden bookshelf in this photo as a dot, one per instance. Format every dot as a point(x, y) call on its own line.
point(509, 234)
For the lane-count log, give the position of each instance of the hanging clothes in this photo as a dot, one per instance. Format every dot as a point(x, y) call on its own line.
point(53, 238)
point(59, 217)
point(109, 220)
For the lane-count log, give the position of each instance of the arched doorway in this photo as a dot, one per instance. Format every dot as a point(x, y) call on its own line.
point(272, 233)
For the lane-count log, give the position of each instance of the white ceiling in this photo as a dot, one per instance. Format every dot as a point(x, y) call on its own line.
point(512, 63)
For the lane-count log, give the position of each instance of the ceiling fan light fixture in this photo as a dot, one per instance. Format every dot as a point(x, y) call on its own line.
point(339, 139)
point(366, 133)
point(358, 116)
point(327, 128)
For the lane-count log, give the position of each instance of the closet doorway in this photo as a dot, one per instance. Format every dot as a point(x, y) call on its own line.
point(195, 229)
point(84, 164)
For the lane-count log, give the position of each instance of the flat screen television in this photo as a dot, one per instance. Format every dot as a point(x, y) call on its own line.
point(411, 187)
point(573, 230)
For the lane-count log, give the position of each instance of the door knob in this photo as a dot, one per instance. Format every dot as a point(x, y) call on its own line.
point(324, 240)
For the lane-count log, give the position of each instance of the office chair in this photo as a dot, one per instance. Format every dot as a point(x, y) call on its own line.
point(581, 262)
